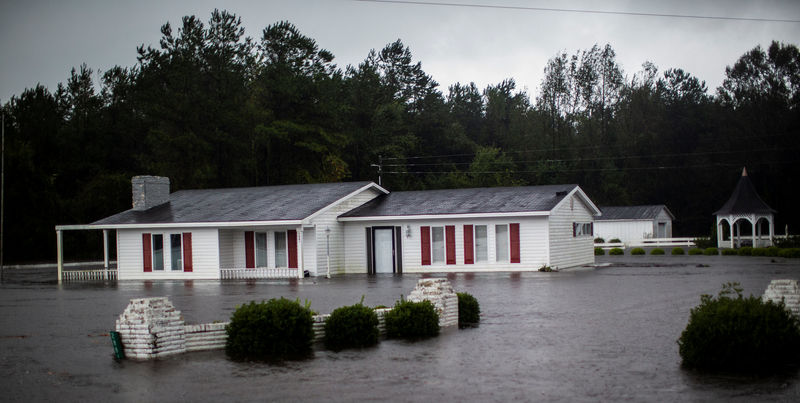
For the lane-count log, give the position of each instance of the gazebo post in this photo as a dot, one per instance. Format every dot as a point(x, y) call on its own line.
point(59, 254)
point(753, 226)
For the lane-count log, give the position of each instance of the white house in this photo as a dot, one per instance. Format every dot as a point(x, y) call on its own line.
point(354, 227)
point(630, 223)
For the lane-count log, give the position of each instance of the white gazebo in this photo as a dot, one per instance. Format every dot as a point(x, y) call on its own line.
point(745, 205)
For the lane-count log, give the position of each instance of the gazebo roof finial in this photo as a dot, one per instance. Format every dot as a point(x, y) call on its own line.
point(744, 171)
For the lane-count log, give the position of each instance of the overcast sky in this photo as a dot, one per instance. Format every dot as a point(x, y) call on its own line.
point(40, 41)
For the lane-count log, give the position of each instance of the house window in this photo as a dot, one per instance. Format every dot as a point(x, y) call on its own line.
point(261, 249)
point(582, 229)
point(481, 244)
point(437, 244)
point(175, 252)
point(501, 242)
point(158, 252)
point(280, 249)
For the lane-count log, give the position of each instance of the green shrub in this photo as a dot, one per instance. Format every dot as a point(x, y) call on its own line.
point(637, 251)
point(677, 251)
point(546, 269)
point(759, 252)
point(598, 251)
point(351, 326)
point(469, 311)
point(705, 243)
point(791, 253)
point(729, 252)
point(614, 240)
point(599, 240)
point(616, 251)
point(745, 251)
point(773, 251)
point(412, 320)
point(792, 241)
point(276, 329)
point(711, 251)
point(695, 251)
point(657, 251)
point(733, 333)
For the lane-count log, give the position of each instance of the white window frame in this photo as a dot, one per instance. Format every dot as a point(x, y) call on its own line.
point(497, 247)
point(153, 252)
point(443, 248)
point(180, 253)
point(265, 254)
point(285, 261)
point(485, 243)
point(583, 229)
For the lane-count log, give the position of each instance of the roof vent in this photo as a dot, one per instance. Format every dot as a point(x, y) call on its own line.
point(149, 191)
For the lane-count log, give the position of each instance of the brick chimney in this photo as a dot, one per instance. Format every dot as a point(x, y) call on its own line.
point(149, 191)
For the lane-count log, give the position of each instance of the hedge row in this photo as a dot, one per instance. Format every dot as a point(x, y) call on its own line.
point(282, 329)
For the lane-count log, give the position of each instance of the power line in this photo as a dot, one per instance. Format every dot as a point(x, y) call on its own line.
point(581, 11)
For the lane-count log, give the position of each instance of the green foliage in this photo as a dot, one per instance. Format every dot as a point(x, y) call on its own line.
point(614, 240)
point(412, 320)
point(599, 240)
point(729, 252)
point(732, 333)
point(546, 269)
point(677, 251)
point(276, 329)
point(792, 253)
point(351, 326)
point(759, 252)
point(711, 251)
point(793, 241)
point(469, 311)
point(773, 251)
point(616, 251)
point(695, 251)
point(637, 251)
point(745, 251)
point(705, 243)
point(598, 251)
point(657, 251)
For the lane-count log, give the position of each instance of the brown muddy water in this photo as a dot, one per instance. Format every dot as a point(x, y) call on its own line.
point(607, 334)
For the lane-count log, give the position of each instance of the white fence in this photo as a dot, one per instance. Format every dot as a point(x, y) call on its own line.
point(262, 272)
point(650, 242)
point(89, 275)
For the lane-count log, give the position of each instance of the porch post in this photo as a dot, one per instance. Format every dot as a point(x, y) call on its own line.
point(733, 230)
point(300, 267)
point(753, 227)
point(59, 254)
point(719, 233)
point(105, 249)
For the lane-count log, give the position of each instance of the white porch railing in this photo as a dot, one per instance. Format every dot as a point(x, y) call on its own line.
point(649, 242)
point(262, 272)
point(89, 275)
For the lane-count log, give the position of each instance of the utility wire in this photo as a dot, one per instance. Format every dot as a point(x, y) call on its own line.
point(581, 11)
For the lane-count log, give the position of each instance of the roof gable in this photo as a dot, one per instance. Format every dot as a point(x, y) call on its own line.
point(517, 199)
point(266, 203)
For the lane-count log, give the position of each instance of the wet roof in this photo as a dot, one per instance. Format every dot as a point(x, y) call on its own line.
point(266, 203)
point(649, 212)
point(464, 201)
point(745, 199)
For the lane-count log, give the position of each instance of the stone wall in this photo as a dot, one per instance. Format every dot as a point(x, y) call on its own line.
point(787, 291)
point(441, 294)
point(152, 327)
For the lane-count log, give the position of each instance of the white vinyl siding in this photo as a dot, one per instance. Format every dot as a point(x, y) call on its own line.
point(624, 230)
point(565, 249)
point(533, 244)
point(205, 257)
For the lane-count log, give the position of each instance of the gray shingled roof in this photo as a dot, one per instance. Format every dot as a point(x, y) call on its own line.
point(745, 199)
point(464, 201)
point(632, 212)
point(267, 203)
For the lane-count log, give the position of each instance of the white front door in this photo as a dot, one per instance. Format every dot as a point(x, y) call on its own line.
point(383, 250)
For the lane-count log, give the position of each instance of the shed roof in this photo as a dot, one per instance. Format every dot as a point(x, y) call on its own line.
point(745, 199)
point(649, 212)
point(466, 201)
point(266, 203)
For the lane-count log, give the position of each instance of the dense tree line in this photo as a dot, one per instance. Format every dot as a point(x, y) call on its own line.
point(211, 107)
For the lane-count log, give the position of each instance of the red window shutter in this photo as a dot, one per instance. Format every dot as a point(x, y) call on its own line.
point(469, 245)
point(187, 251)
point(591, 228)
point(291, 242)
point(425, 236)
point(147, 253)
point(574, 230)
point(450, 243)
point(249, 252)
point(514, 241)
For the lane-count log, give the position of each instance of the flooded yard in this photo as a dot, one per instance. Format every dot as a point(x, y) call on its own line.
point(591, 335)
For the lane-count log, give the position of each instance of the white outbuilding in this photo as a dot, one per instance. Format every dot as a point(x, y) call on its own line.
point(633, 223)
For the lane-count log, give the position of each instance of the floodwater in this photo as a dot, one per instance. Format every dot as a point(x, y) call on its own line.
point(607, 334)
